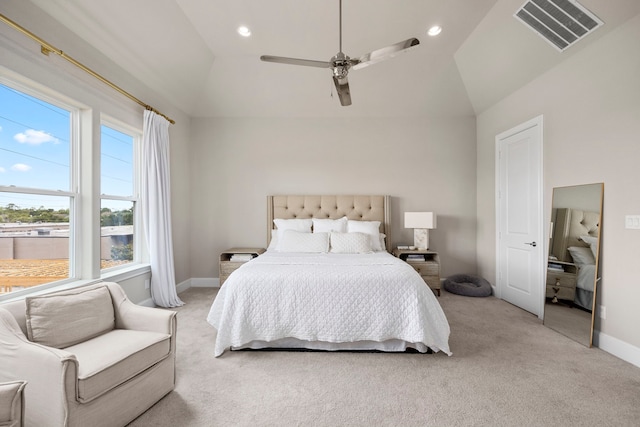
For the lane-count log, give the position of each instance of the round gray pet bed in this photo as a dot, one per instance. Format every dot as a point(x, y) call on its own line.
point(468, 285)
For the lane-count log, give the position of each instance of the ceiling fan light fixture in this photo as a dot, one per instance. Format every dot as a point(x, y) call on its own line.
point(435, 30)
point(244, 31)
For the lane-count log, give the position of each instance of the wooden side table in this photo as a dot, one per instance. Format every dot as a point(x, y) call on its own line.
point(425, 262)
point(562, 281)
point(228, 265)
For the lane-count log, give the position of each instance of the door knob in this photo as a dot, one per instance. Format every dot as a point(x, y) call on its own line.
point(531, 243)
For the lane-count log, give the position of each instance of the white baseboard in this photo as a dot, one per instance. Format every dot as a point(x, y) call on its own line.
point(213, 282)
point(183, 286)
point(198, 282)
point(618, 348)
point(205, 282)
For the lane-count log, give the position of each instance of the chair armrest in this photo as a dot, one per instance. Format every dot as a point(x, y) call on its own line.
point(12, 403)
point(50, 372)
point(138, 318)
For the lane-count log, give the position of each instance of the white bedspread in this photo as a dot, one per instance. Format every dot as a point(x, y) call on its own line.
point(586, 277)
point(332, 298)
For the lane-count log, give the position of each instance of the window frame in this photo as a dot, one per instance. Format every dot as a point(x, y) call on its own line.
point(136, 135)
point(81, 195)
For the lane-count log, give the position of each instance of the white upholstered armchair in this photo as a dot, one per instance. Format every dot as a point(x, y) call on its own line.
point(90, 356)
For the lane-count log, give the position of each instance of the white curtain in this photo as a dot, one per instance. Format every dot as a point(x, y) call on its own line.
point(156, 209)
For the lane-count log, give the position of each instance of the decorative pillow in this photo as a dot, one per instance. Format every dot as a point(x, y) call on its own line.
point(329, 225)
point(372, 228)
point(581, 255)
point(592, 241)
point(63, 319)
point(295, 241)
point(301, 225)
point(351, 243)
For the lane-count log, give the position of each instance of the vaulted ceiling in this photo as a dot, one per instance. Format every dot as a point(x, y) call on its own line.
point(189, 51)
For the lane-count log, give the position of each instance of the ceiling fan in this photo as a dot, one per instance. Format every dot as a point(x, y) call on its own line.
point(340, 64)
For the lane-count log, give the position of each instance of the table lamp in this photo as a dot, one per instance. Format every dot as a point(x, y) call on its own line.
point(421, 222)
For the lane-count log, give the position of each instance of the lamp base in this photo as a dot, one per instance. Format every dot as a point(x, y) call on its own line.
point(421, 238)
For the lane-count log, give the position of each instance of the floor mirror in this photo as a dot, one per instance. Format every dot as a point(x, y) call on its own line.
point(572, 267)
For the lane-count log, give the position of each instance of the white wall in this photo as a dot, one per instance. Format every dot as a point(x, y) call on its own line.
point(591, 108)
point(423, 164)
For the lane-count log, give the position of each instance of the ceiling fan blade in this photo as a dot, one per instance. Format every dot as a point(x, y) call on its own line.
point(384, 53)
point(295, 61)
point(342, 86)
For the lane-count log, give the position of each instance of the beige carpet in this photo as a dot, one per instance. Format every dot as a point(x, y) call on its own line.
point(507, 369)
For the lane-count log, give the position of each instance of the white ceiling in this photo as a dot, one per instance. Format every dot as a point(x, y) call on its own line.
point(189, 51)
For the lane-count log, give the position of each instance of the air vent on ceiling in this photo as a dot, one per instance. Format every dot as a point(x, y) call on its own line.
point(560, 22)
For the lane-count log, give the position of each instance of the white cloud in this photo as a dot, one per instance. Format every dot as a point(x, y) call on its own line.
point(21, 167)
point(2, 170)
point(34, 137)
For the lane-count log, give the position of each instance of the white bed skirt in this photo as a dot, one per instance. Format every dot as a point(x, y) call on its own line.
point(292, 343)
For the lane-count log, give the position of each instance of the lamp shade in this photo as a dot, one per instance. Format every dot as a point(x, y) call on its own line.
point(419, 220)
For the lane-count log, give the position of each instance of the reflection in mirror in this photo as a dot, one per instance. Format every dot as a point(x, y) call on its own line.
point(572, 269)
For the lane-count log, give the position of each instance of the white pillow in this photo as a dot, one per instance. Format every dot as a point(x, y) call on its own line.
point(372, 228)
point(383, 244)
point(592, 241)
point(351, 243)
point(581, 255)
point(273, 243)
point(301, 225)
point(295, 241)
point(329, 225)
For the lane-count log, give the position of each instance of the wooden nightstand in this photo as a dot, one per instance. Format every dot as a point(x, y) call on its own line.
point(228, 266)
point(562, 281)
point(427, 264)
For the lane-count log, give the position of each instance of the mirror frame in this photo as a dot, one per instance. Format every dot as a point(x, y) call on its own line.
point(569, 264)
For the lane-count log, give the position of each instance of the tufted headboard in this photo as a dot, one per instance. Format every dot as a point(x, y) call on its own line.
point(570, 225)
point(360, 208)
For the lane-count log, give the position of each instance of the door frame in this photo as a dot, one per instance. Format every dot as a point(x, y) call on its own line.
point(535, 122)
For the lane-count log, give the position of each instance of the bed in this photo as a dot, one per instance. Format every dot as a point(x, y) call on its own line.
point(576, 240)
point(331, 285)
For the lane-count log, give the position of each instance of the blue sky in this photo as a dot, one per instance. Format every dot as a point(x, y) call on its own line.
point(35, 152)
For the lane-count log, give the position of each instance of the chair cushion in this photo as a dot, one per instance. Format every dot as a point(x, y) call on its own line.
point(66, 318)
point(109, 360)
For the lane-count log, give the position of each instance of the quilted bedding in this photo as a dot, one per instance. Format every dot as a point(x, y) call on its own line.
point(327, 298)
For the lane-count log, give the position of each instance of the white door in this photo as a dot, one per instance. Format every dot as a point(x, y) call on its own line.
point(520, 245)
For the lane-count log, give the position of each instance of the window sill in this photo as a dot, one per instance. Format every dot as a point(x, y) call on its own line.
point(125, 273)
point(116, 275)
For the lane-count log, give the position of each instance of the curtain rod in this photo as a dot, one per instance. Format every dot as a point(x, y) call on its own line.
point(46, 48)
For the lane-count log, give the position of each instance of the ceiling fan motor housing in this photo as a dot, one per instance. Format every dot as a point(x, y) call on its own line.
point(340, 64)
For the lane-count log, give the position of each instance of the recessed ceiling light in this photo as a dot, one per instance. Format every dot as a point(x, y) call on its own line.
point(435, 30)
point(244, 31)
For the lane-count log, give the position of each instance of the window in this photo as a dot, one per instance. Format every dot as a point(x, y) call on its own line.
point(118, 196)
point(37, 183)
point(49, 189)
